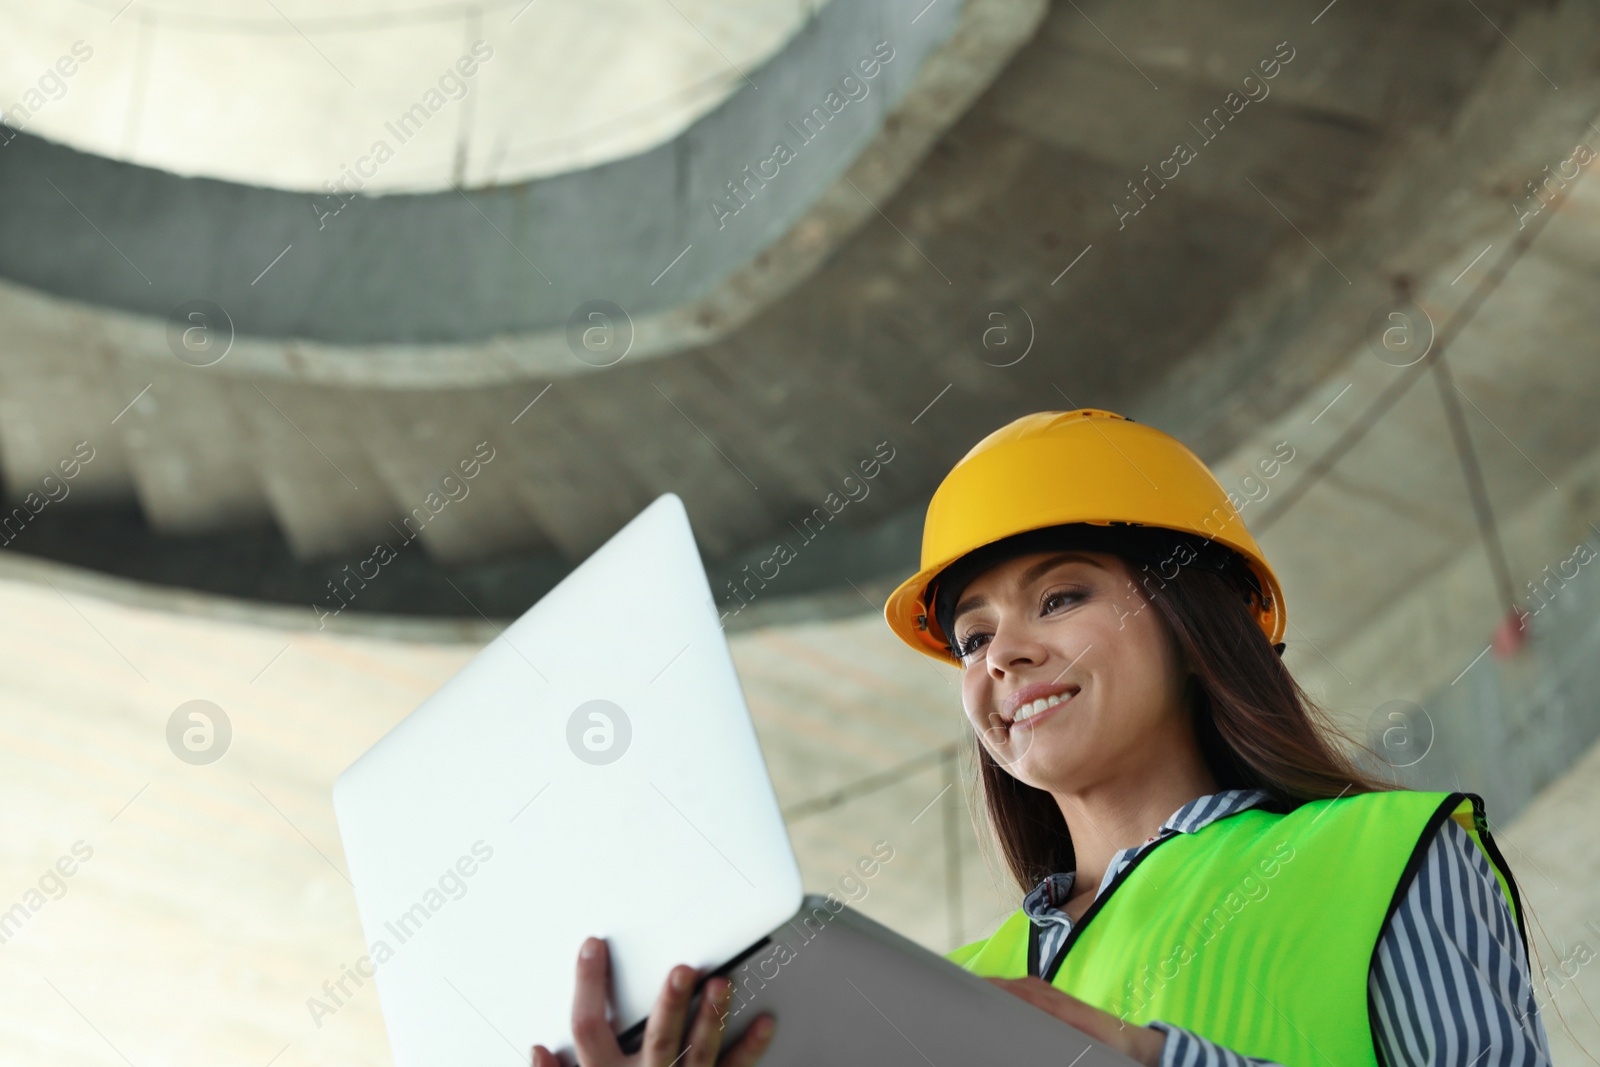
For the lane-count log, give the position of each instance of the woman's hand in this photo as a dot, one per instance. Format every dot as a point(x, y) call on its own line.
point(663, 1031)
point(1137, 1042)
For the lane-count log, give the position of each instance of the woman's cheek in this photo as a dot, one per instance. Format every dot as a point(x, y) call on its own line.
point(969, 701)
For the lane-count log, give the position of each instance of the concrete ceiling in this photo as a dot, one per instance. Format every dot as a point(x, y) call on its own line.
point(292, 95)
point(879, 337)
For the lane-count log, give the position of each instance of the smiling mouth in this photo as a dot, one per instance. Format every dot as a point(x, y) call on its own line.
point(1040, 706)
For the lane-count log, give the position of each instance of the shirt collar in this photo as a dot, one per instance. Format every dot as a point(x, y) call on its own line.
point(1202, 811)
point(1054, 889)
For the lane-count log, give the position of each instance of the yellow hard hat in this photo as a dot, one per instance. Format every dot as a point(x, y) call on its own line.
point(1086, 466)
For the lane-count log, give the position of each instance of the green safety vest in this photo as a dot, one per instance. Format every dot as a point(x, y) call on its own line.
point(1256, 931)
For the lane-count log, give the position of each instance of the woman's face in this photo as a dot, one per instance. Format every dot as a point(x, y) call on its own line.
point(1077, 629)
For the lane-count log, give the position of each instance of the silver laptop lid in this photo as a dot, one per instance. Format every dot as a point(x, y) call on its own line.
point(593, 771)
point(847, 991)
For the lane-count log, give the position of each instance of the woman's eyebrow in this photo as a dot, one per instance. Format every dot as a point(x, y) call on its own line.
point(1028, 576)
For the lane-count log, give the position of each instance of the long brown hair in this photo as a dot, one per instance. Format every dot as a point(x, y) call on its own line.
point(1255, 726)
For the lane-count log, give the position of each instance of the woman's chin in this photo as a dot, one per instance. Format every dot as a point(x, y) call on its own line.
point(1040, 758)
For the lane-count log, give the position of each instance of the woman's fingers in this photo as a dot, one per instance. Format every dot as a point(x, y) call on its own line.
point(1139, 1042)
point(592, 1036)
point(663, 1031)
point(752, 1045)
point(663, 1044)
point(711, 1028)
point(705, 1036)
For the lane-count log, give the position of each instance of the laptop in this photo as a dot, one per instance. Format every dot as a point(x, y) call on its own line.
point(594, 771)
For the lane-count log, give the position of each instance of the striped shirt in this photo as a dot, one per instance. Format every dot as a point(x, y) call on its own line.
point(1449, 983)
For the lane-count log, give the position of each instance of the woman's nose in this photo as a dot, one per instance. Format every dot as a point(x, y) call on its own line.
point(1012, 647)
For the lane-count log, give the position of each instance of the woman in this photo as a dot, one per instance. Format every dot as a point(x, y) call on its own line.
point(1208, 878)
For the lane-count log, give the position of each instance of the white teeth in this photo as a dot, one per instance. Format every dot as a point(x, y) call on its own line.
point(1028, 711)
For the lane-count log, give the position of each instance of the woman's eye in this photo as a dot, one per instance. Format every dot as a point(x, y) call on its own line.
point(968, 645)
point(1064, 596)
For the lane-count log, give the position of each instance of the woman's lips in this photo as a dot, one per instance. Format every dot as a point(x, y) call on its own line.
point(1045, 714)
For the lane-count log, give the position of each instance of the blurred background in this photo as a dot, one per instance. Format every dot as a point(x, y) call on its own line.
point(274, 278)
